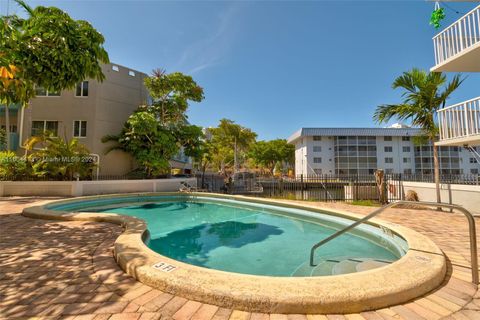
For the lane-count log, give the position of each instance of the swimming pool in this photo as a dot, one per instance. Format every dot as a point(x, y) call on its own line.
point(250, 238)
point(251, 253)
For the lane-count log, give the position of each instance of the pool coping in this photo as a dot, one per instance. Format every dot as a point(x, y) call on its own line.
point(420, 270)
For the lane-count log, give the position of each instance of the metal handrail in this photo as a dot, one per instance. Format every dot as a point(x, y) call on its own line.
point(471, 226)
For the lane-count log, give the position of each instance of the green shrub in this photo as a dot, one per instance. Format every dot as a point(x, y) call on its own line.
point(12, 167)
point(60, 159)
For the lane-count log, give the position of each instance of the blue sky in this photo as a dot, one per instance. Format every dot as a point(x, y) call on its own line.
point(275, 66)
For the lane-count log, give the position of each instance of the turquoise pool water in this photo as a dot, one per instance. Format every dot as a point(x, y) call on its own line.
point(250, 238)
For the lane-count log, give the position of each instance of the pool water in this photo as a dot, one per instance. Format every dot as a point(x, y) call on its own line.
point(254, 239)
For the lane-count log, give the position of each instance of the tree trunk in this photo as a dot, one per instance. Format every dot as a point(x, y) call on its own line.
point(7, 127)
point(436, 168)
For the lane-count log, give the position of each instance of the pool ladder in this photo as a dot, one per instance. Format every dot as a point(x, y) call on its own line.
point(468, 215)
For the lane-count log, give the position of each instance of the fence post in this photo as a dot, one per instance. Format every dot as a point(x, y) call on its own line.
point(301, 186)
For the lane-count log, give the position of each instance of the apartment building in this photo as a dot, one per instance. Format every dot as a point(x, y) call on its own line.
point(363, 150)
point(89, 112)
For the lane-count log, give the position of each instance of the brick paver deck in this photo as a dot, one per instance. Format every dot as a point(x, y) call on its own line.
point(65, 270)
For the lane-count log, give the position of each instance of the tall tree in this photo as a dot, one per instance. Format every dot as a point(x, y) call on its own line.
point(231, 143)
point(47, 49)
point(155, 133)
point(268, 153)
point(424, 94)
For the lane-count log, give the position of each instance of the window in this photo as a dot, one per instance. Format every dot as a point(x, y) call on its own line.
point(474, 171)
point(317, 138)
point(407, 171)
point(473, 160)
point(13, 128)
point(317, 149)
point(388, 149)
point(131, 73)
point(387, 138)
point(42, 92)
point(389, 171)
point(407, 160)
point(317, 171)
point(115, 68)
point(39, 127)
point(317, 160)
point(405, 138)
point(406, 149)
point(388, 160)
point(80, 128)
point(82, 89)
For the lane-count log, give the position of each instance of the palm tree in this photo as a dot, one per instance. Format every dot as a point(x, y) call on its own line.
point(424, 94)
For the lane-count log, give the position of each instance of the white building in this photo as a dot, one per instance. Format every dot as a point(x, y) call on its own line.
point(340, 151)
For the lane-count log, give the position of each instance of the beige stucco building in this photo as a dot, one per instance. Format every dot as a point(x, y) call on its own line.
point(88, 113)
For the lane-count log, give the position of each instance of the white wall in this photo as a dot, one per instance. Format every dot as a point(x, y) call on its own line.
point(464, 195)
point(85, 188)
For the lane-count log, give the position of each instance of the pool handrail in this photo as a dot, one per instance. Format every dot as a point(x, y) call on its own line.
point(468, 215)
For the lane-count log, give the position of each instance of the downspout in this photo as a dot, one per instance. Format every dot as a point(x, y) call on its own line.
point(20, 133)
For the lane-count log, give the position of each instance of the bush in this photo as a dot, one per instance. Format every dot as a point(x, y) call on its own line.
point(12, 167)
point(60, 159)
point(411, 196)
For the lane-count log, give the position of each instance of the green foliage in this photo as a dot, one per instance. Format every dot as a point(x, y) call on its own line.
point(155, 133)
point(424, 93)
point(59, 159)
point(151, 144)
point(437, 16)
point(270, 153)
point(49, 49)
point(223, 140)
point(12, 167)
point(3, 138)
point(171, 94)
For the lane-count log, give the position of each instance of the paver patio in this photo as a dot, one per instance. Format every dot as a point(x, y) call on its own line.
point(66, 270)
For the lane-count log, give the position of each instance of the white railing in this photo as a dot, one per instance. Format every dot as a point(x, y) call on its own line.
point(460, 120)
point(461, 35)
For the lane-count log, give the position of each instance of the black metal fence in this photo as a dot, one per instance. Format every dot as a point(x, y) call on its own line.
point(327, 187)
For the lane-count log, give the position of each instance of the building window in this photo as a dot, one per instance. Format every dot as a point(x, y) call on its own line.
point(407, 171)
point(42, 92)
point(82, 89)
point(406, 149)
point(407, 160)
point(388, 160)
point(317, 149)
point(474, 171)
point(317, 160)
point(389, 171)
point(473, 160)
point(42, 126)
point(115, 68)
point(405, 138)
point(387, 138)
point(131, 73)
point(317, 171)
point(80, 129)
point(317, 138)
point(388, 149)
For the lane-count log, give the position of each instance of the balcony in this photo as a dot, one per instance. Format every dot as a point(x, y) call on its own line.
point(460, 124)
point(457, 48)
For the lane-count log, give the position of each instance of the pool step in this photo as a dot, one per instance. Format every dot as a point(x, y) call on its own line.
point(341, 265)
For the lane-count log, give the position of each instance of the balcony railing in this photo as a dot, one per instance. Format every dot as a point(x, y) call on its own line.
point(460, 120)
point(461, 35)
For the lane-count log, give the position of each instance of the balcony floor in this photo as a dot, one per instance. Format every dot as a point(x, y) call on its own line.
point(473, 140)
point(466, 61)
